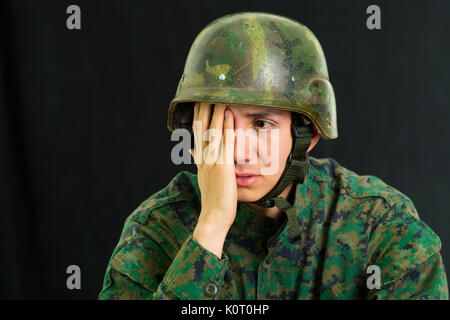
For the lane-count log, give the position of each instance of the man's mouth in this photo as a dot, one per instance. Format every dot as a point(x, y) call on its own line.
point(246, 179)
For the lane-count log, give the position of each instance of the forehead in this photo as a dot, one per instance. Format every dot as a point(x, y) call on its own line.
point(251, 109)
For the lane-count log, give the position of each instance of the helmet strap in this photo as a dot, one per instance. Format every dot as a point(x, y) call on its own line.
point(295, 171)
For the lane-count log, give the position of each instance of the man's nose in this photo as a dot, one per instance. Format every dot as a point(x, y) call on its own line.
point(245, 146)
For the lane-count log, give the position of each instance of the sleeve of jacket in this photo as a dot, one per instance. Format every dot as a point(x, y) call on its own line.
point(141, 268)
point(426, 281)
point(407, 252)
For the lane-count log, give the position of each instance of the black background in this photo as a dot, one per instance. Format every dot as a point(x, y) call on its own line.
point(83, 137)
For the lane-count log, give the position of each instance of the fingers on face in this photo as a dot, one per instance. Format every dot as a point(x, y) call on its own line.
point(215, 131)
point(228, 121)
point(196, 110)
point(227, 147)
point(218, 117)
point(213, 121)
point(204, 115)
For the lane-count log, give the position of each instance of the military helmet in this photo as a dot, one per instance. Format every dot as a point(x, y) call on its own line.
point(260, 59)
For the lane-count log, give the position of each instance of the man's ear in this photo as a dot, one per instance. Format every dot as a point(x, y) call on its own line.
point(314, 140)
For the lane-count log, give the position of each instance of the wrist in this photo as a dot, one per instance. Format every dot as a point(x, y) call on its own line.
point(210, 237)
point(210, 230)
point(214, 222)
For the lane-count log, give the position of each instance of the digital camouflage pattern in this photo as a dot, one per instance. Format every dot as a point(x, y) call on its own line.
point(348, 223)
point(259, 59)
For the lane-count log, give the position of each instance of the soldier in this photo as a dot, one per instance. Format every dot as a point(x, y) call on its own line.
point(310, 230)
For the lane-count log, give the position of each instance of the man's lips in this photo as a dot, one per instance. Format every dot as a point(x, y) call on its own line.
point(246, 174)
point(246, 179)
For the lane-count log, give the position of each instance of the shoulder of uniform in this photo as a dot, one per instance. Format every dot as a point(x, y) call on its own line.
point(357, 186)
point(182, 188)
point(165, 217)
point(398, 239)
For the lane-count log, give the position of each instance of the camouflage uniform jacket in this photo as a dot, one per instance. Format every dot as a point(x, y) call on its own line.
point(348, 222)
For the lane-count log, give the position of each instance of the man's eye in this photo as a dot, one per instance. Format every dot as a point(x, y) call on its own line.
point(262, 124)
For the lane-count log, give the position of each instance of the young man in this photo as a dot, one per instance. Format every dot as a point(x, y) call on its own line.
point(264, 220)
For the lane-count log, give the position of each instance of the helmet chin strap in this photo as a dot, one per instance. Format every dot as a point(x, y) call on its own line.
point(295, 171)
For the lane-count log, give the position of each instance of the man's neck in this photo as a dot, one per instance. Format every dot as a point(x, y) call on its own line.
point(274, 212)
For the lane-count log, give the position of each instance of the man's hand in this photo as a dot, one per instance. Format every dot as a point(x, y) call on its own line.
point(216, 175)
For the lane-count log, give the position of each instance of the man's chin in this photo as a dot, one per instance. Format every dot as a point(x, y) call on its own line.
point(247, 195)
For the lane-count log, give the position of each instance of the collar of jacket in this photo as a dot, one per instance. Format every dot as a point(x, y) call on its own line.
point(301, 206)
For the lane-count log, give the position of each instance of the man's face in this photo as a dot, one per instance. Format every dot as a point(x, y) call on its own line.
point(261, 156)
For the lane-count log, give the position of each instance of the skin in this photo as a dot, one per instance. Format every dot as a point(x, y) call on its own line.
point(219, 200)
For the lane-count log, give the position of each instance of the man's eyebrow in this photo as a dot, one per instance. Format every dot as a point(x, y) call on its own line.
point(261, 114)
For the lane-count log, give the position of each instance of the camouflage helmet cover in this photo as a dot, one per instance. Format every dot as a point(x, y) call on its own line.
point(259, 59)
